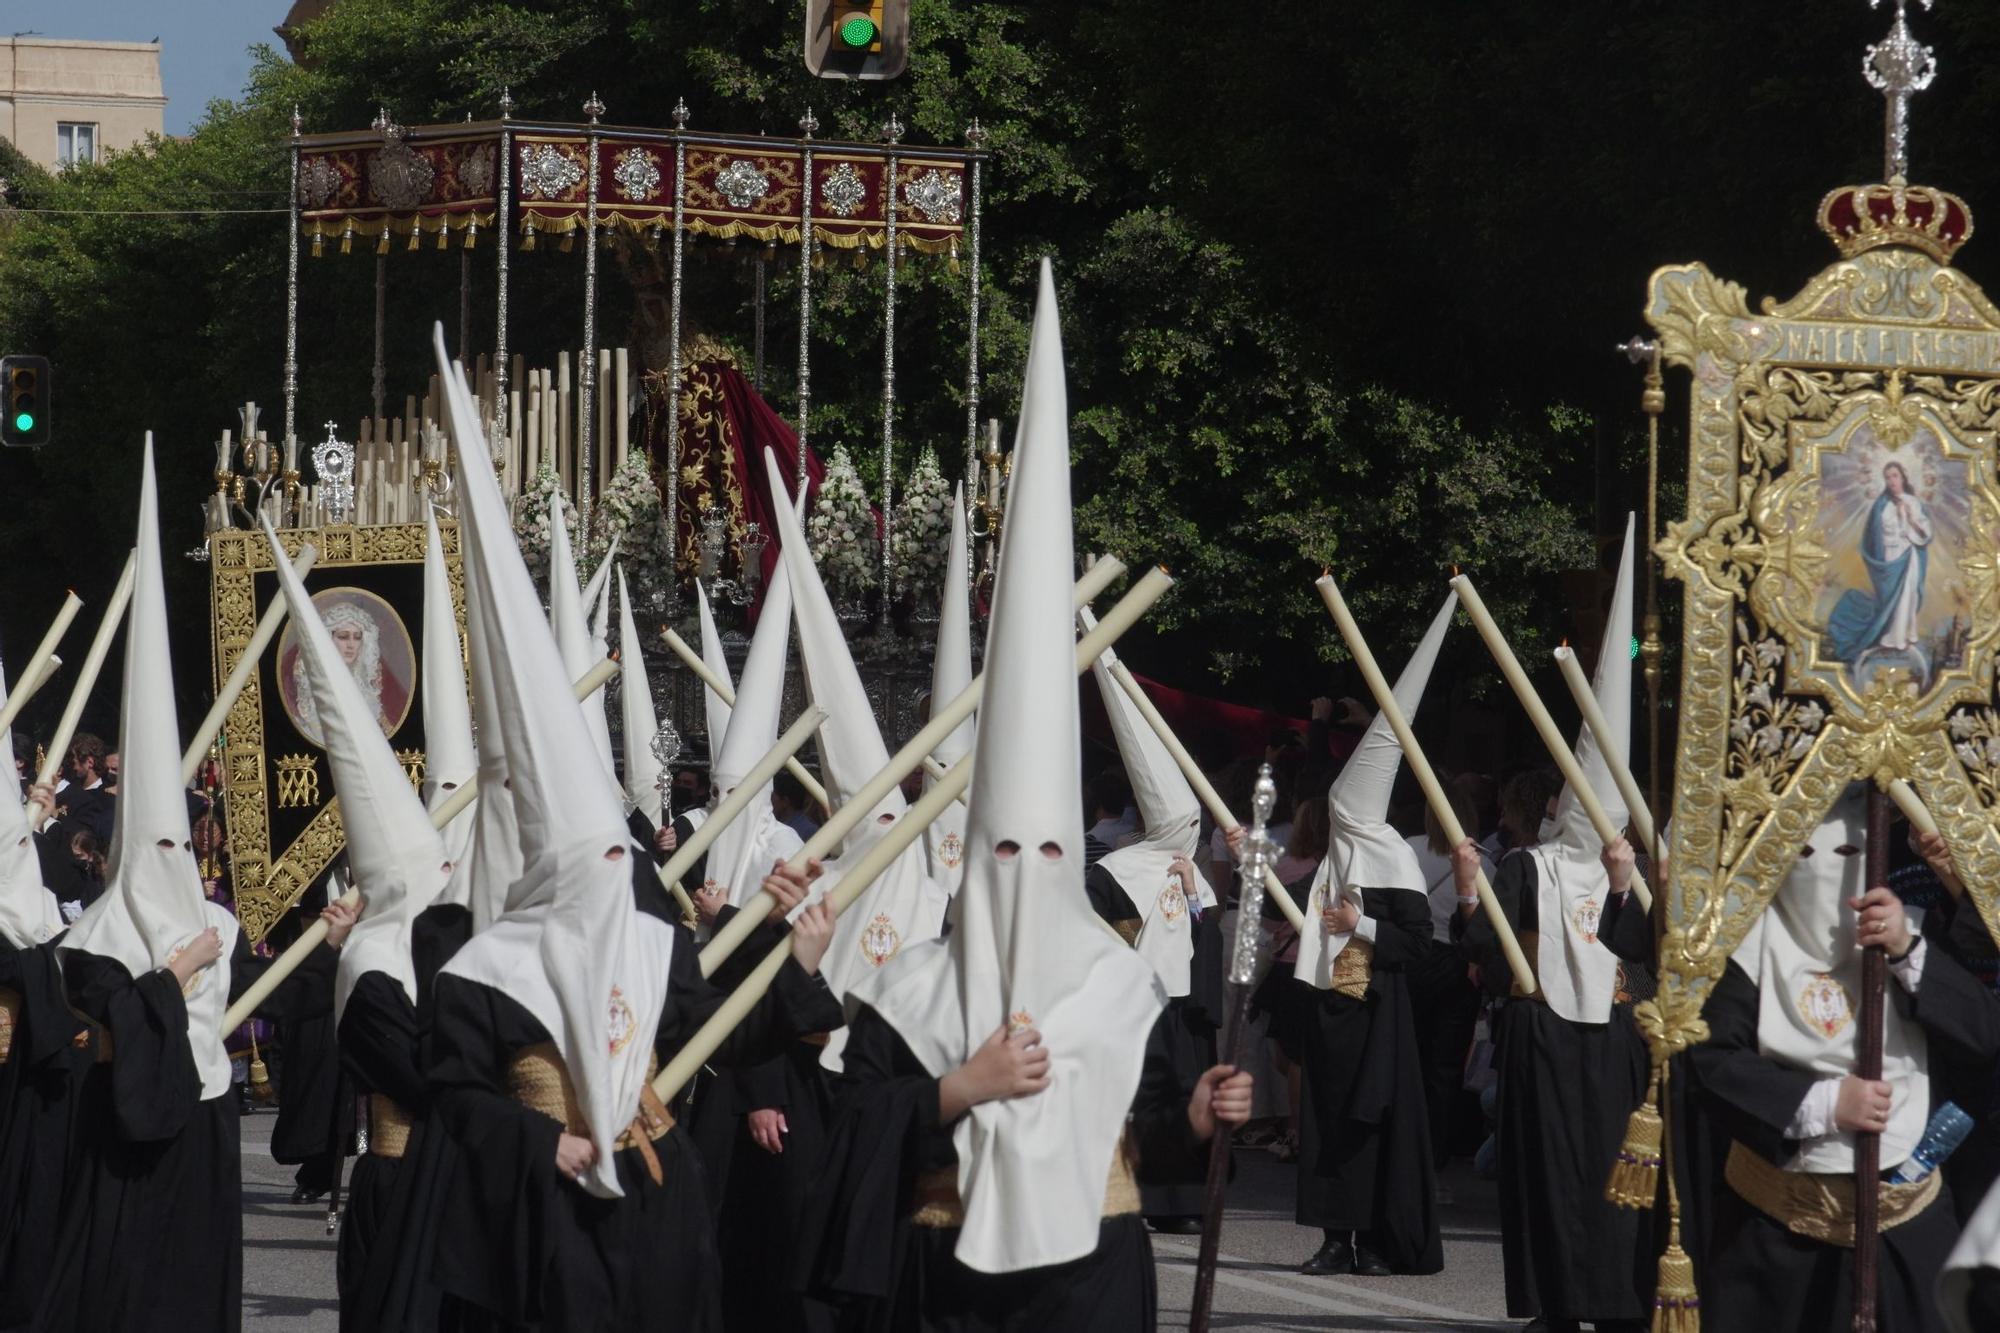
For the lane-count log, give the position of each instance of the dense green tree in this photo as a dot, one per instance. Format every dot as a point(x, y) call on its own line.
point(1340, 281)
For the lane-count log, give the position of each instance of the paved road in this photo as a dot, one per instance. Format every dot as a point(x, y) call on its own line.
point(288, 1261)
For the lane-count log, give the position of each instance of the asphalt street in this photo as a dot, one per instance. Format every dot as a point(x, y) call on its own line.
point(288, 1282)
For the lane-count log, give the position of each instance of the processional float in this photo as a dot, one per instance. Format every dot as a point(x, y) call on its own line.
point(628, 442)
point(1809, 659)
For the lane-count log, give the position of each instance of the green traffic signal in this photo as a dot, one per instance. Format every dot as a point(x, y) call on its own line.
point(24, 422)
point(857, 30)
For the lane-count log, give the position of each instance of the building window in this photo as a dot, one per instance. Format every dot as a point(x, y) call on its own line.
point(75, 143)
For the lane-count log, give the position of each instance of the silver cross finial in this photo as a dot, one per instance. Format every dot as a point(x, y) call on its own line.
point(1896, 67)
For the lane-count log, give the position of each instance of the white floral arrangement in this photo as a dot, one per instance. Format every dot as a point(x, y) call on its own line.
point(841, 532)
point(918, 548)
point(629, 512)
point(531, 520)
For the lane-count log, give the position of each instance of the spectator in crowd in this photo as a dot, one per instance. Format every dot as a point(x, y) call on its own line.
point(82, 802)
point(792, 805)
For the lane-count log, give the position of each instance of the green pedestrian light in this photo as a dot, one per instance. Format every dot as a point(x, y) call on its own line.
point(857, 31)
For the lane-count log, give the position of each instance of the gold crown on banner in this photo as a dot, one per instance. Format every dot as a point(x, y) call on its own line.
point(1867, 217)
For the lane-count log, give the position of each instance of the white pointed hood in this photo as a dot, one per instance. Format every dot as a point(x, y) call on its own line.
point(714, 711)
point(902, 906)
point(1578, 974)
point(152, 906)
point(1803, 954)
point(570, 946)
point(1170, 826)
point(743, 853)
point(493, 861)
point(449, 757)
point(1363, 851)
point(597, 596)
point(394, 856)
point(951, 674)
point(1025, 949)
point(635, 697)
point(580, 651)
point(29, 913)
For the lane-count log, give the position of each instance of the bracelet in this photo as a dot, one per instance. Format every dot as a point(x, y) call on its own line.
point(1468, 902)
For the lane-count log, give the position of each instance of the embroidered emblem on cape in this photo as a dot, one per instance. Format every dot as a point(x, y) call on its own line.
point(951, 851)
point(623, 1022)
point(1585, 918)
point(880, 940)
point(1172, 901)
point(1824, 1005)
point(1020, 1021)
point(193, 983)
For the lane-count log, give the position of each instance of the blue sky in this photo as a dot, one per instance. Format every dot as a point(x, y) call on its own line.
point(204, 44)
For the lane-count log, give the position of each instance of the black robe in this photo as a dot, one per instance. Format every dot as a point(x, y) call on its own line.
point(36, 1086)
point(517, 1244)
point(859, 1251)
point(150, 1236)
point(315, 1103)
point(1364, 1143)
point(1187, 1027)
point(1566, 1092)
point(388, 1231)
point(1760, 1276)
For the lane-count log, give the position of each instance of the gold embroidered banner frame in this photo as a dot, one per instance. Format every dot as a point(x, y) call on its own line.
point(275, 783)
point(1840, 560)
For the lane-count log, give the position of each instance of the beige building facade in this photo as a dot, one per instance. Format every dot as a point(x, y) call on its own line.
point(73, 101)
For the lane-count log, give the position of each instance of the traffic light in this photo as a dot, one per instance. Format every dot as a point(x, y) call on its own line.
point(857, 39)
point(24, 382)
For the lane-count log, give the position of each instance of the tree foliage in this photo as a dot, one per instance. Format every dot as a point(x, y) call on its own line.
point(1339, 290)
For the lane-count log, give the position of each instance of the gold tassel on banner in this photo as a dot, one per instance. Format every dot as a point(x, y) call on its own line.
point(1676, 1300)
point(382, 242)
point(1635, 1176)
point(260, 1077)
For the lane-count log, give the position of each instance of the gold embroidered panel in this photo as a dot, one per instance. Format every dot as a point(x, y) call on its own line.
point(283, 819)
point(1838, 562)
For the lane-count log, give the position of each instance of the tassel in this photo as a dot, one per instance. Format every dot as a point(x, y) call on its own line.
point(260, 1077)
point(382, 242)
point(1635, 1176)
point(1676, 1303)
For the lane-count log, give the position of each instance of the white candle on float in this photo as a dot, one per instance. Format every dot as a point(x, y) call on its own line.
point(622, 404)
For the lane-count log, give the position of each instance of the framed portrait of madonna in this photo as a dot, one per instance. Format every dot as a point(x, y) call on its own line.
point(282, 818)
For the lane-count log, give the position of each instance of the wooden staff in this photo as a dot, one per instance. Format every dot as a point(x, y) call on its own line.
point(246, 666)
point(313, 935)
point(1202, 786)
point(1868, 1065)
point(693, 661)
point(1420, 767)
point(1608, 746)
point(24, 684)
point(1545, 726)
point(943, 722)
point(86, 678)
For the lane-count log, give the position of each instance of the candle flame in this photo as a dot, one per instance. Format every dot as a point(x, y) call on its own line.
point(1563, 644)
point(1326, 571)
point(1454, 571)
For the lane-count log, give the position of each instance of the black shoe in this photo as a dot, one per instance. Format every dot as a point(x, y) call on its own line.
point(1175, 1226)
point(1336, 1256)
point(1367, 1263)
point(307, 1194)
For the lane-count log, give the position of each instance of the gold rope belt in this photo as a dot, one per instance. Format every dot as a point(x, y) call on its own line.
point(1128, 929)
point(936, 1202)
point(10, 1015)
point(537, 1079)
point(1820, 1206)
point(388, 1127)
point(1353, 968)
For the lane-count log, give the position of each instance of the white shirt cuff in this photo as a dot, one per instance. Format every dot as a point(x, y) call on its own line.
point(1909, 969)
point(1364, 929)
point(1814, 1118)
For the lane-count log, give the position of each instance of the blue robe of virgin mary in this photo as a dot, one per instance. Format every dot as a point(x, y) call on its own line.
point(1860, 618)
